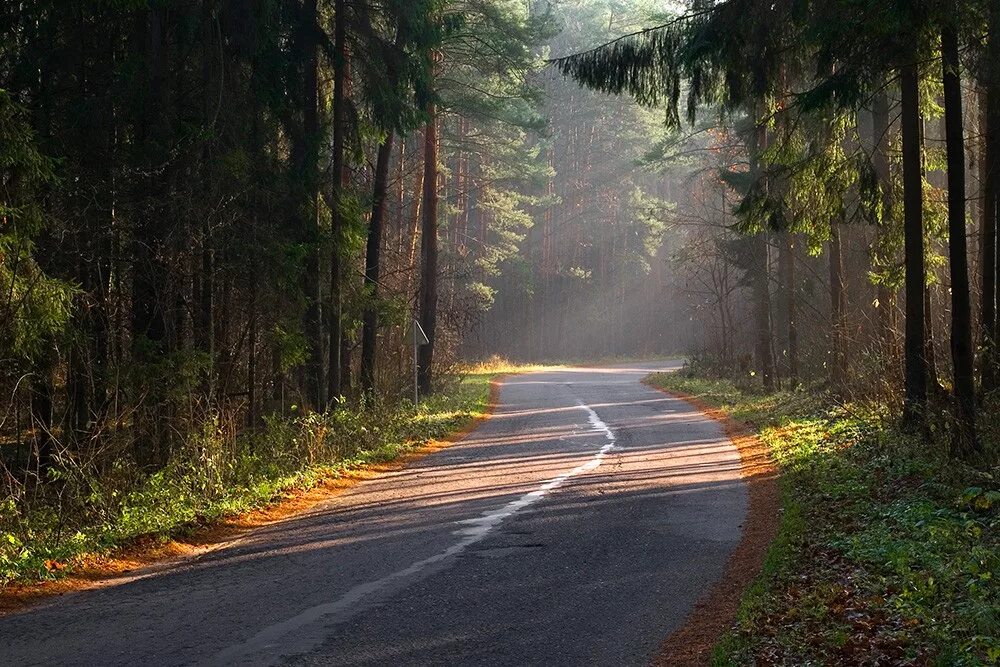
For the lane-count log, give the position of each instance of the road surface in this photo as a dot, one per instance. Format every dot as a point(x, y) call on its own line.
point(578, 526)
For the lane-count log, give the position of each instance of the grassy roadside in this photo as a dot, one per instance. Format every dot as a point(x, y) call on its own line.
point(888, 551)
point(89, 513)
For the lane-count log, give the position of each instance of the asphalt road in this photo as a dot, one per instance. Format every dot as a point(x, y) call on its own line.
point(578, 526)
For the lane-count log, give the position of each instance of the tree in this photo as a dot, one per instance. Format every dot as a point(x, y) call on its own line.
point(337, 363)
point(990, 178)
point(428, 297)
point(35, 307)
point(915, 401)
point(372, 263)
point(961, 319)
point(305, 165)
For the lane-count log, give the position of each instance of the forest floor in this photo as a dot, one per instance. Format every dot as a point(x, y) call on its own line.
point(46, 551)
point(888, 551)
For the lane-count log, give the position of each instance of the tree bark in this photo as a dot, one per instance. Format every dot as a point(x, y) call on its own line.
point(204, 319)
point(148, 322)
point(988, 233)
point(991, 208)
point(335, 387)
point(308, 206)
point(369, 325)
point(41, 413)
point(915, 399)
point(760, 283)
point(965, 440)
point(880, 163)
point(762, 310)
point(838, 362)
point(786, 260)
point(429, 253)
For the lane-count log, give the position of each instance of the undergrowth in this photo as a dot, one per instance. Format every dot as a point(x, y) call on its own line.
point(89, 509)
point(888, 550)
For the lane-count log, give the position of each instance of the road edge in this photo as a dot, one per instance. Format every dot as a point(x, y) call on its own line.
point(714, 613)
point(149, 555)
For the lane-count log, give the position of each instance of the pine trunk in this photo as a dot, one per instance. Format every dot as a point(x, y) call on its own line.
point(336, 219)
point(369, 327)
point(308, 176)
point(988, 245)
point(880, 163)
point(961, 309)
point(429, 253)
point(838, 306)
point(760, 285)
point(41, 414)
point(915, 399)
point(762, 310)
point(990, 208)
point(204, 320)
point(148, 324)
point(786, 260)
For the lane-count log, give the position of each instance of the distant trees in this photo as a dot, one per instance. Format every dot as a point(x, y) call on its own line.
point(747, 59)
point(216, 210)
point(958, 262)
point(592, 276)
point(428, 297)
point(204, 203)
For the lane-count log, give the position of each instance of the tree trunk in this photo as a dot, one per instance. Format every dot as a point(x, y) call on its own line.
point(308, 206)
point(414, 226)
point(41, 413)
point(915, 400)
point(762, 310)
point(336, 217)
point(991, 208)
point(204, 320)
point(148, 323)
point(786, 261)
point(429, 253)
point(880, 163)
point(988, 233)
point(760, 286)
point(965, 439)
point(369, 326)
point(838, 361)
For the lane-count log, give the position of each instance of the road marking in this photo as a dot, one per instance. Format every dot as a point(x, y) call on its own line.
point(596, 422)
point(479, 526)
point(275, 641)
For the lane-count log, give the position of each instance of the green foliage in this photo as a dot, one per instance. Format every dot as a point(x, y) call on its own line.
point(34, 308)
point(648, 219)
point(215, 474)
point(885, 551)
point(647, 66)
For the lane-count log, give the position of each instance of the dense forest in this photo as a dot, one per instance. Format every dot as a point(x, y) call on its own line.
point(226, 226)
point(222, 223)
point(215, 210)
point(855, 164)
point(836, 243)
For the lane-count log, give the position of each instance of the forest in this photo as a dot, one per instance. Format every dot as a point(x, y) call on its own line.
point(887, 173)
point(225, 223)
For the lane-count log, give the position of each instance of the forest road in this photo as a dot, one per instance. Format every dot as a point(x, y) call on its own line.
point(577, 526)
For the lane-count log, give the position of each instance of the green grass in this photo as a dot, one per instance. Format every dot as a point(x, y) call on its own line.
point(888, 551)
point(89, 510)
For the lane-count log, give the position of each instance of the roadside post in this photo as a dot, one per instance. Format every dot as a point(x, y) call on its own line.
point(419, 338)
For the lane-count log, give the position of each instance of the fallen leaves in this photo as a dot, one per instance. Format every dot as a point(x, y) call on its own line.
point(54, 566)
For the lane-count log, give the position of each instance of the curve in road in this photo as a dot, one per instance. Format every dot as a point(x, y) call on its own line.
point(578, 525)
